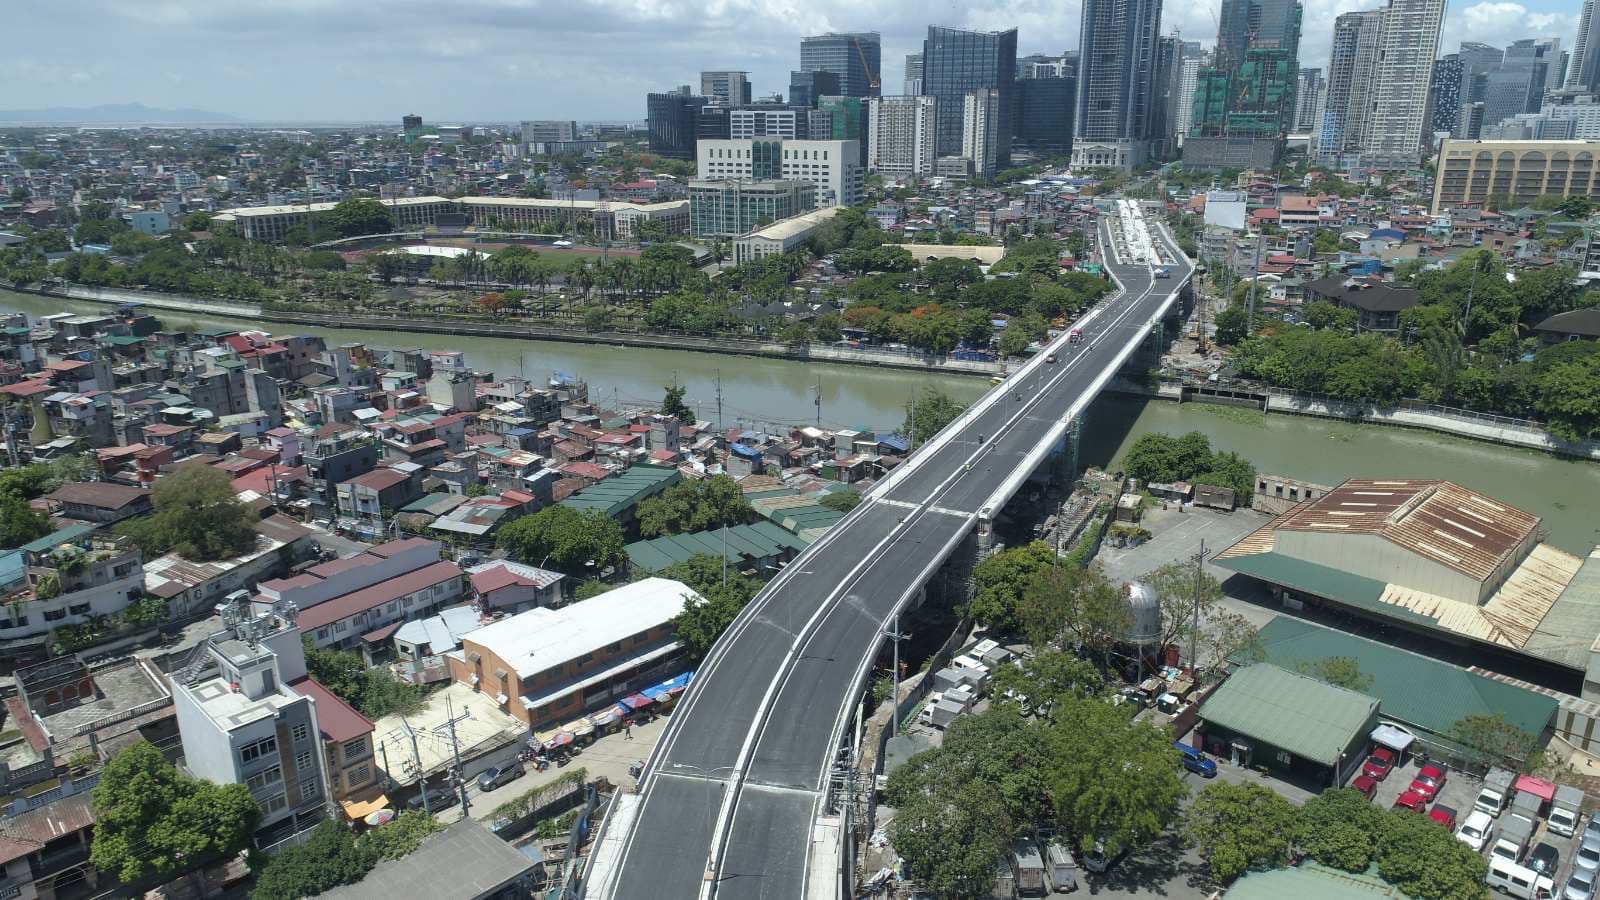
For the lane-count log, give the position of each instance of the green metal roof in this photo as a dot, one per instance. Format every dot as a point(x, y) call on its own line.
point(1309, 718)
point(1563, 634)
point(1412, 689)
point(1323, 581)
point(745, 542)
point(56, 538)
point(1310, 881)
point(620, 492)
point(122, 340)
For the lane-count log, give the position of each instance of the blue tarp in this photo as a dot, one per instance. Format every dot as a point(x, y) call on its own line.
point(666, 688)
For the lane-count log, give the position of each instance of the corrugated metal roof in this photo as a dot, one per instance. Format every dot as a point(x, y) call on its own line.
point(1567, 632)
point(1309, 718)
point(623, 490)
point(1412, 689)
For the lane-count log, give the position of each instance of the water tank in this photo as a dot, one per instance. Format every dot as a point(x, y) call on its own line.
point(1144, 620)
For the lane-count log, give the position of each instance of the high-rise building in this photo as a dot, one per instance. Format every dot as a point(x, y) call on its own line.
point(544, 131)
point(410, 122)
point(1188, 77)
point(1408, 43)
point(775, 120)
point(1444, 93)
point(834, 167)
point(847, 117)
point(980, 129)
point(1308, 97)
point(1042, 114)
point(672, 122)
point(1164, 99)
point(726, 88)
point(1250, 93)
point(955, 61)
point(1041, 65)
point(901, 135)
point(856, 57)
point(1258, 24)
point(1350, 66)
point(1116, 62)
point(1478, 58)
point(806, 88)
point(1583, 70)
point(1518, 84)
point(913, 74)
point(731, 207)
point(1477, 61)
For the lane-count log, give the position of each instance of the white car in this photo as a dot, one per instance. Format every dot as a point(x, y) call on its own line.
point(1475, 831)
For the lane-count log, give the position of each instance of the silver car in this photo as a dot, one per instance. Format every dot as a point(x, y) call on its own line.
point(1580, 885)
point(1587, 856)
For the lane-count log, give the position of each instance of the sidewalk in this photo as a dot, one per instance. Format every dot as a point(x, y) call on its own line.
point(608, 757)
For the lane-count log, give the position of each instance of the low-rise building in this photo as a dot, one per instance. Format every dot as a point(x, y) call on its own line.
point(63, 579)
point(1267, 716)
point(100, 502)
point(780, 237)
point(1378, 303)
point(546, 666)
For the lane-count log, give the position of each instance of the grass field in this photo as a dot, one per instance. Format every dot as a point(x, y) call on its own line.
point(565, 257)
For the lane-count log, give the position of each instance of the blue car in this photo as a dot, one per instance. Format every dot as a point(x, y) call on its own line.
point(1195, 761)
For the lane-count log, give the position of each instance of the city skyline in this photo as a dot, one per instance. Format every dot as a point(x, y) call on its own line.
point(336, 62)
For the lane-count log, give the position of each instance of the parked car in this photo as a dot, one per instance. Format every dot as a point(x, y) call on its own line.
point(1429, 781)
point(492, 778)
point(1365, 784)
point(1580, 885)
point(1587, 856)
point(1474, 832)
point(439, 797)
point(1544, 859)
point(1195, 760)
point(1444, 815)
point(1413, 800)
point(1379, 764)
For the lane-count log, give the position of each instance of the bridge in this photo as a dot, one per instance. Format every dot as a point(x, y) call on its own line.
point(736, 801)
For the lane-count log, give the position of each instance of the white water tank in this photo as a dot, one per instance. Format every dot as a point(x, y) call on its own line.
point(1144, 620)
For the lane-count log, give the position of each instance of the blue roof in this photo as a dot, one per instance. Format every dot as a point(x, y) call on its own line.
point(520, 432)
point(746, 451)
point(12, 567)
point(894, 442)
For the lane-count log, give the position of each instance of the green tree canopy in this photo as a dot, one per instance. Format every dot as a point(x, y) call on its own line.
point(672, 404)
point(19, 524)
point(928, 413)
point(1340, 828)
point(694, 505)
point(352, 218)
point(1000, 582)
point(723, 594)
point(197, 515)
point(150, 820)
point(1427, 862)
point(840, 501)
point(1339, 671)
point(566, 540)
point(949, 841)
point(1113, 779)
point(1238, 827)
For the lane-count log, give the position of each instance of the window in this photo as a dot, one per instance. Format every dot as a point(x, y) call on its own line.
point(264, 778)
point(301, 732)
point(356, 747)
point(361, 775)
point(79, 609)
point(276, 804)
point(54, 615)
point(304, 762)
point(255, 751)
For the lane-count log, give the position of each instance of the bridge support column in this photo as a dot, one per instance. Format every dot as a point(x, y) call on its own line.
point(1074, 441)
point(953, 585)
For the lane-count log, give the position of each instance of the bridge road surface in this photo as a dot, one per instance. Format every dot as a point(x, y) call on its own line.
point(828, 608)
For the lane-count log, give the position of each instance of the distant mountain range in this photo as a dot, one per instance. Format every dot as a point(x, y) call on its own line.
point(111, 114)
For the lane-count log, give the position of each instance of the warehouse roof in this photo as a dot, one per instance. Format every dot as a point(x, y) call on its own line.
point(624, 490)
point(744, 542)
point(1309, 718)
point(465, 861)
point(1413, 689)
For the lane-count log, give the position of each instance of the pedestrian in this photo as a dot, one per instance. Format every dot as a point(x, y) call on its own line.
point(627, 731)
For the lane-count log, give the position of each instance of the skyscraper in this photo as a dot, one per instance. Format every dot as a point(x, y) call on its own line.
point(1188, 77)
point(672, 121)
point(1116, 63)
point(1517, 84)
point(980, 129)
point(1583, 70)
point(1250, 92)
point(1444, 96)
point(726, 88)
point(1042, 114)
point(806, 88)
point(847, 119)
point(1259, 24)
point(1350, 67)
point(1408, 42)
point(913, 74)
point(901, 135)
point(955, 61)
point(856, 57)
point(1308, 99)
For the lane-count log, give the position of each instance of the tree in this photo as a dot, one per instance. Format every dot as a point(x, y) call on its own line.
point(1497, 741)
point(1113, 780)
point(150, 820)
point(1339, 671)
point(949, 843)
point(1238, 827)
point(1079, 607)
point(840, 501)
point(722, 595)
point(1000, 750)
point(794, 335)
point(19, 524)
point(374, 692)
point(672, 404)
point(1044, 680)
point(1000, 582)
point(929, 413)
point(694, 506)
point(566, 540)
point(197, 515)
point(1340, 828)
point(1427, 862)
point(1231, 326)
point(352, 218)
point(329, 858)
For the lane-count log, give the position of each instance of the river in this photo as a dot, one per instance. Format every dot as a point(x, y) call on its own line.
point(766, 392)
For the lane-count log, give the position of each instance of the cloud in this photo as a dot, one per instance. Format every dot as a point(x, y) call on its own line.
point(504, 60)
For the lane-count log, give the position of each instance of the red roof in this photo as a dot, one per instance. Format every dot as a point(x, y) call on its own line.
point(355, 602)
point(337, 720)
point(30, 388)
point(379, 479)
point(259, 479)
point(586, 470)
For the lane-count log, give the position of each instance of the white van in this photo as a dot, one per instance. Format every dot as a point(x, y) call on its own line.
point(1519, 881)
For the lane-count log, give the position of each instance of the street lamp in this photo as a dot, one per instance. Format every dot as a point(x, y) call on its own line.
point(706, 776)
point(896, 635)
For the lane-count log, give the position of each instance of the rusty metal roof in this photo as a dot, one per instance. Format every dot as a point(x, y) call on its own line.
point(1440, 520)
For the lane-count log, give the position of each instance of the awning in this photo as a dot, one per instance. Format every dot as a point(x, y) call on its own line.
point(668, 688)
point(360, 809)
point(561, 739)
point(636, 701)
point(382, 634)
point(1392, 737)
point(604, 717)
point(579, 728)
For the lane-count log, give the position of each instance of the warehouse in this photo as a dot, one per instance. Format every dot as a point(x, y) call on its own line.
point(1307, 729)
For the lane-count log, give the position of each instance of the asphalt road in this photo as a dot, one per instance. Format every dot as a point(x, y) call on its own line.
point(770, 698)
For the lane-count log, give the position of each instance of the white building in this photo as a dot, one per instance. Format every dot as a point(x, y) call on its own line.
point(833, 166)
point(780, 237)
point(1188, 79)
point(901, 135)
point(1583, 113)
point(980, 129)
point(1408, 43)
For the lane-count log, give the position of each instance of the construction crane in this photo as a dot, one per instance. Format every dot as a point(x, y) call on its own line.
point(872, 77)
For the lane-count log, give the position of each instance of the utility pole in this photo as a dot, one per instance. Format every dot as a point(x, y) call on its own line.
point(416, 757)
point(1255, 279)
point(819, 401)
point(896, 636)
point(719, 400)
point(455, 749)
point(724, 554)
point(1194, 630)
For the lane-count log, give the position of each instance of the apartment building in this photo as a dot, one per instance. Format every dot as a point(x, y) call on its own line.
point(834, 167)
point(1469, 172)
point(902, 135)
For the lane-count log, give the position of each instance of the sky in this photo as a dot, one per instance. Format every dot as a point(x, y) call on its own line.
point(507, 60)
